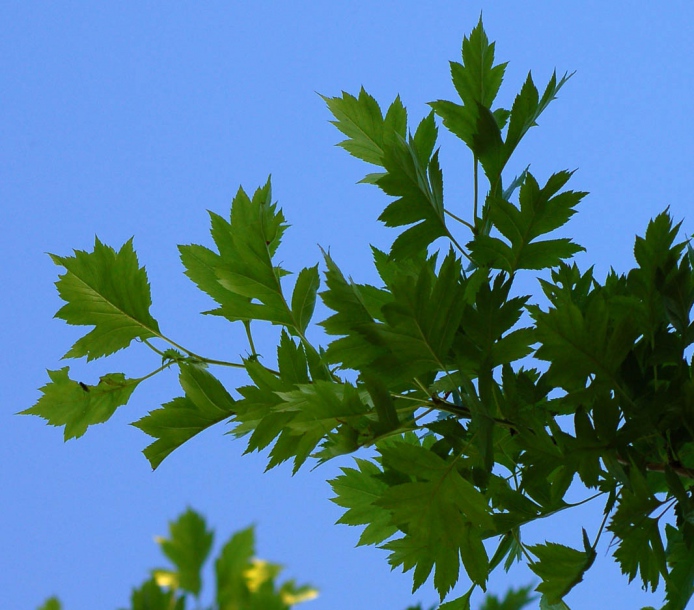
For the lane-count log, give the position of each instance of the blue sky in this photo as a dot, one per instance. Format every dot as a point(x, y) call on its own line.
point(132, 119)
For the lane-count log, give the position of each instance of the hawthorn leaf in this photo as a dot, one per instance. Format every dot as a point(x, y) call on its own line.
point(150, 596)
point(413, 175)
point(527, 108)
point(205, 403)
point(201, 266)
point(560, 567)
point(361, 120)
point(76, 405)
point(188, 546)
point(477, 79)
point(230, 567)
point(358, 490)
point(52, 603)
point(679, 586)
point(459, 603)
point(540, 211)
point(109, 291)
point(304, 297)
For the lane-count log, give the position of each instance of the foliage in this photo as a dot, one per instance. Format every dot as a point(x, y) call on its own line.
point(243, 582)
point(481, 406)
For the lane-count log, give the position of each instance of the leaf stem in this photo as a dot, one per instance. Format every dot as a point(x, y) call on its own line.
point(476, 188)
point(247, 326)
point(460, 220)
point(192, 354)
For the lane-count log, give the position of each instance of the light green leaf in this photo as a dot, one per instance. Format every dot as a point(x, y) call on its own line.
point(477, 79)
point(361, 120)
point(188, 546)
point(230, 567)
point(52, 603)
point(206, 403)
point(108, 290)
point(150, 596)
point(76, 405)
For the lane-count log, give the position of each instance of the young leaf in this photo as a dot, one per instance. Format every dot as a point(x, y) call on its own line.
point(108, 290)
point(76, 405)
point(187, 547)
point(206, 403)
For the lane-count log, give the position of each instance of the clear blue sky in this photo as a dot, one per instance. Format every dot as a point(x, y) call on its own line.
point(134, 118)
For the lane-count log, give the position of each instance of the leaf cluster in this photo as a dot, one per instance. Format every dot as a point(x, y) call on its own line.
point(479, 406)
point(242, 581)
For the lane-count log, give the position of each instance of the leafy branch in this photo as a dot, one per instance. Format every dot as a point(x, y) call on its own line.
point(481, 407)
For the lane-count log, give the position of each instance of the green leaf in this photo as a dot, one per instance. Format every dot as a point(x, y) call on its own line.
point(230, 567)
point(421, 322)
point(246, 246)
point(477, 79)
point(527, 108)
point(560, 568)
point(150, 596)
point(459, 603)
point(201, 265)
point(52, 603)
point(679, 584)
point(206, 403)
point(358, 490)
point(546, 605)
point(304, 297)
point(442, 514)
point(361, 120)
point(108, 290)
point(188, 546)
point(352, 320)
point(413, 175)
point(541, 211)
point(76, 405)
point(515, 599)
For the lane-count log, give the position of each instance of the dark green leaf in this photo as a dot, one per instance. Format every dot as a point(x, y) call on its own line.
point(358, 490)
point(304, 297)
point(560, 568)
